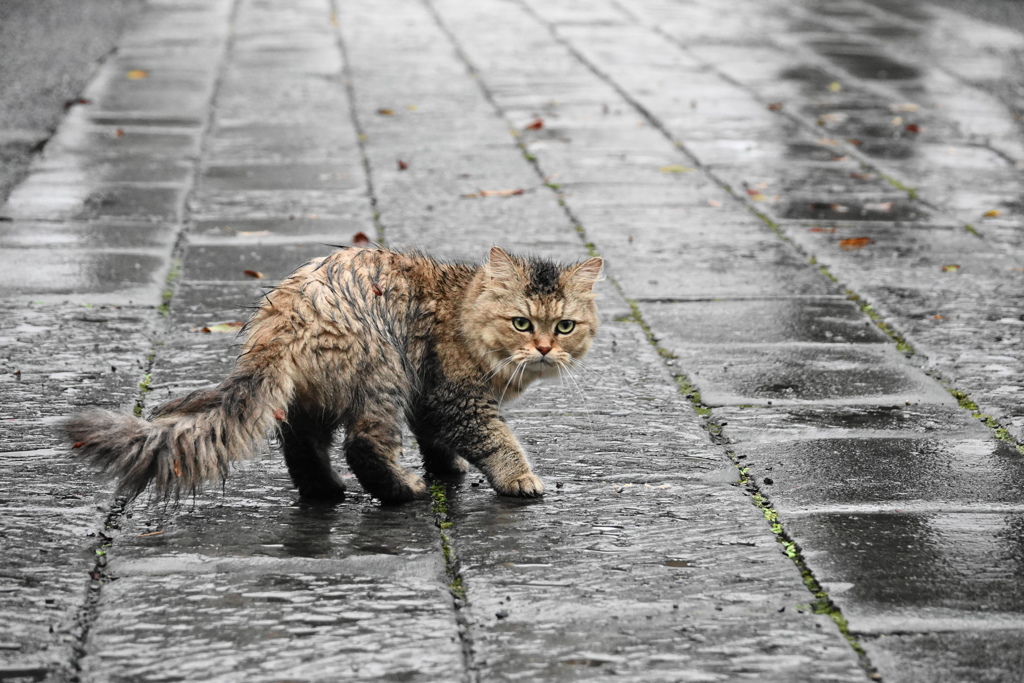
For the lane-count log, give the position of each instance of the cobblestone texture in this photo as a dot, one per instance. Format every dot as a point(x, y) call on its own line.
point(760, 183)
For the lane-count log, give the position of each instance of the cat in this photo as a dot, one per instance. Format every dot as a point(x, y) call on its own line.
point(358, 340)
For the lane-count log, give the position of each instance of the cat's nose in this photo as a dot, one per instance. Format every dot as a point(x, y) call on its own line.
point(543, 350)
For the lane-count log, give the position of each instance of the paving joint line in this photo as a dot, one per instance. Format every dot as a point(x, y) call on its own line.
point(353, 111)
point(438, 491)
point(822, 602)
point(88, 613)
point(903, 345)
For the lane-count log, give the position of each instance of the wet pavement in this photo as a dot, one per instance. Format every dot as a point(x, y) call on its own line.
point(795, 452)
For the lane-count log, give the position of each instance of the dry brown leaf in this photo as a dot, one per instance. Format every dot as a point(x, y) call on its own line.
point(852, 243)
point(775, 106)
point(993, 213)
point(176, 466)
point(950, 268)
point(402, 165)
point(384, 111)
point(820, 229)
point(536, 124)
point(494, 193)
point(360, 239)
point(862, 176)
point(233, 326)
point(136, 74)
point(676, 168)
point(376, 289)
point(255, 274)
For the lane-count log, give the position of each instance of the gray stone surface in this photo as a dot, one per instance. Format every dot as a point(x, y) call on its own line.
point(747, 183)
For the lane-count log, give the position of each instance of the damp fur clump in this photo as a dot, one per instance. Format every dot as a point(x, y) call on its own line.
point(357, 343)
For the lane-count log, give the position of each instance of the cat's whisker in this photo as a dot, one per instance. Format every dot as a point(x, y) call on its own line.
point(498, 368)
point(519, 367)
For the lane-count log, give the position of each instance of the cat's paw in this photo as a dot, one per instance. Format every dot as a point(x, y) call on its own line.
point(527, 485)
point(401, 489)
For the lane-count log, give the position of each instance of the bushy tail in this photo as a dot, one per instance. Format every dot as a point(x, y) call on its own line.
point(187, 442)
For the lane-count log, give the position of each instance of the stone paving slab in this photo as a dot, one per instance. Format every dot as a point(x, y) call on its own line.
point(54, 358)
point(661, 148)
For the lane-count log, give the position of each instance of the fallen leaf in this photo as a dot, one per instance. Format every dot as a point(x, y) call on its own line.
point(950, 268)
point(411, 107)
point(912, 128)
point(255, 274)
point(151, 533)
point(402, 165)
point(827, 142)
point(820, 229)
point(676, 168)
point(936, 317)
point(993, 213)
point(839, 208)
point(78, 444)
point(233, 326)
point(862, 176)
point(835, 86)
point(883, 207)
point(536, 124)
point(136, 74)
point(852, 243)
point(832, 117)
point(907, 107)
point(176, 466)
point(384, 111)
point(360, 239)
point(279, 414)
point(855, 142)
point(494, 193)
point(376, 289)
point(119, 133)
point(72, 103)
point(756, 196)
point(897, 121)
point(775, 106)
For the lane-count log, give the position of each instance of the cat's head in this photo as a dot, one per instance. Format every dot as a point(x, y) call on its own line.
point(531, 318)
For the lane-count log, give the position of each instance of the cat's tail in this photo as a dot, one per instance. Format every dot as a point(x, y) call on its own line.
point(189, 441)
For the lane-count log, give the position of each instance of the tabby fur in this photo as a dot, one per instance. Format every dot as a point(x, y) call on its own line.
point(357, 341)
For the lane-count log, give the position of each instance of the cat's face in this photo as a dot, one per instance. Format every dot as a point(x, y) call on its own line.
point(532, 319)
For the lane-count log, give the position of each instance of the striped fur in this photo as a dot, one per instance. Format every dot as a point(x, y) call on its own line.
point(359, 341)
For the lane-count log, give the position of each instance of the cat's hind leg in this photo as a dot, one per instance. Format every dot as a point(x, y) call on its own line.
point(438, 459)
point(373, 442)
point(306, 441)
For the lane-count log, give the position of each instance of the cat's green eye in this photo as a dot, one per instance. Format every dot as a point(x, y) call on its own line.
point(522, 324)
point(565, 326)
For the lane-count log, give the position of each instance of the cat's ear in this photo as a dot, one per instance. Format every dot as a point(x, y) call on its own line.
point(501, 266)
point(583, 275)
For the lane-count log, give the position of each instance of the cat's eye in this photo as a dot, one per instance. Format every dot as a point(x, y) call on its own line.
point(565, 326)
point(522, 324)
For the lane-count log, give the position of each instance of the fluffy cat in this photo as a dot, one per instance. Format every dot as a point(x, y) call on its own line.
point(358, 340)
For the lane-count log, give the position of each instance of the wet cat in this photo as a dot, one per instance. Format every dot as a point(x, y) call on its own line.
point(359, 340)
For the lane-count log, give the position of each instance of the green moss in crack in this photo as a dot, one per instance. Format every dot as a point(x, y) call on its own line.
point(173, 275)
point(439, 506)
point(911, 191)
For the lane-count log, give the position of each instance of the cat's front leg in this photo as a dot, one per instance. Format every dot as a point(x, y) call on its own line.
point(472, 428)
